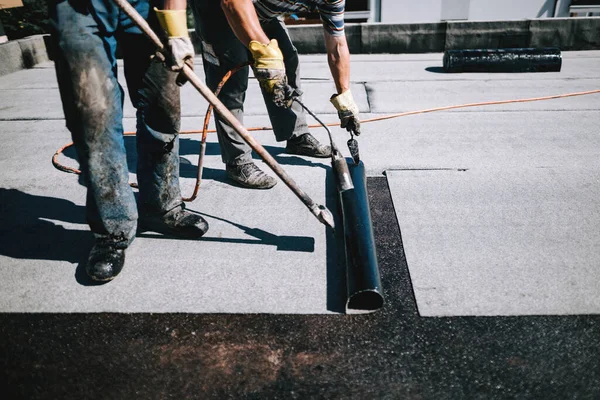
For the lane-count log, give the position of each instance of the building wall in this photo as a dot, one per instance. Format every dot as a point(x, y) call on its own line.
point(403, 11)
point(510, 9)
point(412, 11)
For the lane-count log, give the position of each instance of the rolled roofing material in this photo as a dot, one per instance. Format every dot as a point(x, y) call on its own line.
point(503, 60)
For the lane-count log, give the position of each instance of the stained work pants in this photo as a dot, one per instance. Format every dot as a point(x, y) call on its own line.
point(85, 35)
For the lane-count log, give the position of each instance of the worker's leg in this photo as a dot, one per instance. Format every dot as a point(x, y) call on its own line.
point(92, 102)
point(221, 52)
point(93, 105)
point(155, 94)
point(287, 122)
point(290, 123)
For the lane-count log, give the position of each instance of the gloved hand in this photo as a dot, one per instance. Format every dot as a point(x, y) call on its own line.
point(181, 49)
point(269, 69)
point(347, 111)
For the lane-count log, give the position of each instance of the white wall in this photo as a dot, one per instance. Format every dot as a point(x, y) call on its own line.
point(407, 11)
point(490, 10)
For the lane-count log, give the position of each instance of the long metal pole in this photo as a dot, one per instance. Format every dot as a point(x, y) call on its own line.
point(319, 211)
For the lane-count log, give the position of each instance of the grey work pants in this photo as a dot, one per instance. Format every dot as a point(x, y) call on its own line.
point(221, 52)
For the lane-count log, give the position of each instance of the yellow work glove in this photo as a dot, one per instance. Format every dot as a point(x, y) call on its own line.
point(180, 47)
point(347, 111)
point(269, 70)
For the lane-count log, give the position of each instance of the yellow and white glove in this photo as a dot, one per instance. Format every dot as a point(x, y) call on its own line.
point(181, 49)
point(269, 70)
point(347, 111)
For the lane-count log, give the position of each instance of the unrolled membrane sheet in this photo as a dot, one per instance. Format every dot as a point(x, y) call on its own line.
point(501, 242)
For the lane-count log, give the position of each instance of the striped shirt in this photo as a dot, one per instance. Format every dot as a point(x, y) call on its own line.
point(331, 11)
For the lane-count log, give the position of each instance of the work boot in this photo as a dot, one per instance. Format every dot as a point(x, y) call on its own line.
point(307, 145)
point(250, 176)
point(177, 222)
point(105, 262)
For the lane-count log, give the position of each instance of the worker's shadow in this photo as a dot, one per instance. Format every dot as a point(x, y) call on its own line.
point(191, 147)
point(336, 275)
point(31, 228)
point(336, 261)
point(335, 254)
point(283, 243)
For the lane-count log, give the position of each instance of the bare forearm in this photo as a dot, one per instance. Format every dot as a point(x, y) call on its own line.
point(338, 57)
point(174, 4)
point(242, 18)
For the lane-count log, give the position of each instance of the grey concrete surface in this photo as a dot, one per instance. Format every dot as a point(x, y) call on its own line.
point(29, 95)
point(264, 251)
point(506, 241)
point(257, 256)
point(10, 54)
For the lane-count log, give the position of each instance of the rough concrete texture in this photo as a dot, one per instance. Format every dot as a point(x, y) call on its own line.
point(10, 54)
point(23, 53)
point(34, 50)
point(487, 35)
point(406, 38)
point(566, 33)
point(505, 241)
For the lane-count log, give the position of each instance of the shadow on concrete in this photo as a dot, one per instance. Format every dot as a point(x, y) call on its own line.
point(299, 161)
point(191, 147)
point(336, 270)
point(435, 70)
point(283, 243)
point(83, 278)
point(28, 231)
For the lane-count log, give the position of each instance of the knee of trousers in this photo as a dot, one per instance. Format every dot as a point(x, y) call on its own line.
point(159, 105)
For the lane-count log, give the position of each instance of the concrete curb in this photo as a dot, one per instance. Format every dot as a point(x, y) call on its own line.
point(564, 33)
point(23, 53)
point(404, 38)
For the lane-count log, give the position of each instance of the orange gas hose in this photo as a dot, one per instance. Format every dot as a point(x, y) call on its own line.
point(205, 130)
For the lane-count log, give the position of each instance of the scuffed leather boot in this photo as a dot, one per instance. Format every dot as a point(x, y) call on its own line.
point(307, 145)
point(105, 262)
point(250, 176)
point(177, 222)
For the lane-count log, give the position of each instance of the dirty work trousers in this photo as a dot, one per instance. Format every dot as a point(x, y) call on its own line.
point(85, 35)
point(222, 51)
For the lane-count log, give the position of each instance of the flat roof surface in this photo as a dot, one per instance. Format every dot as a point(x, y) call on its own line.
point(245, 300)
